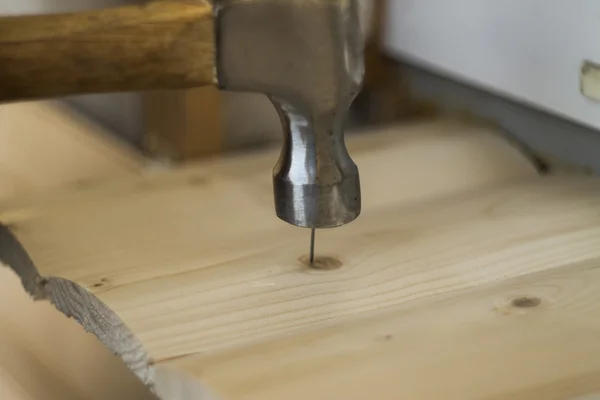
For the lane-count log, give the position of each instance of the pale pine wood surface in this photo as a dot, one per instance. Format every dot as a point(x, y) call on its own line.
point(468, 344)
point(45, 146)
point(45, 356)
point(468, 276)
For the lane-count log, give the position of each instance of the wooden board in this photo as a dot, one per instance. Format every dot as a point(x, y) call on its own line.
point(468, 276)
point(45, 356)
point(44, 145)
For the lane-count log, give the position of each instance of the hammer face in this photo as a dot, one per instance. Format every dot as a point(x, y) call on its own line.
point(307, 57)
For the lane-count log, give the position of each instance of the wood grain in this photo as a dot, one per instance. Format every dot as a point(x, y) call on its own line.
point(529, 338)
point(43, 356)
point(160, 45)
point(46, 145)
point(468, 276)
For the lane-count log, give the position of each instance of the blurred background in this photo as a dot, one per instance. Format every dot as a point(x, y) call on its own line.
point(529, 51)
point(526, 66)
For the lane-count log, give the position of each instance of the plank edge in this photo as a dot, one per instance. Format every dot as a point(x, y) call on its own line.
point(74, 301)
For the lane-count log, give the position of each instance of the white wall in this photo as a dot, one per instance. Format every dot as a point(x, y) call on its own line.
point(529, 49)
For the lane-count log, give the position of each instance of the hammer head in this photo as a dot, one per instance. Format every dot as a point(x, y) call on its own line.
point(307, 56)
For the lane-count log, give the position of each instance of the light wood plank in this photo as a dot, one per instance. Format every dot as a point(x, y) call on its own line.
point(529, 338)
point(43, 356)
point(45, 145)
point(205, 280)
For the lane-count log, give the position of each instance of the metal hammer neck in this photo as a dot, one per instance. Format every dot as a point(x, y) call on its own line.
point(307, 57)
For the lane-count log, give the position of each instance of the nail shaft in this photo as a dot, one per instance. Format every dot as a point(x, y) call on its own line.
point(312, 245)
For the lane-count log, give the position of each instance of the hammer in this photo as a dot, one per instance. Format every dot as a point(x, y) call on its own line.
point(305, 55)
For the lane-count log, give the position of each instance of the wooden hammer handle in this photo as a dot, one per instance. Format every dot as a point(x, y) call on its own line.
point(161, 45)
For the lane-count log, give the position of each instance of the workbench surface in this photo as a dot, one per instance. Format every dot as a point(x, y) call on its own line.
point(467, 276)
